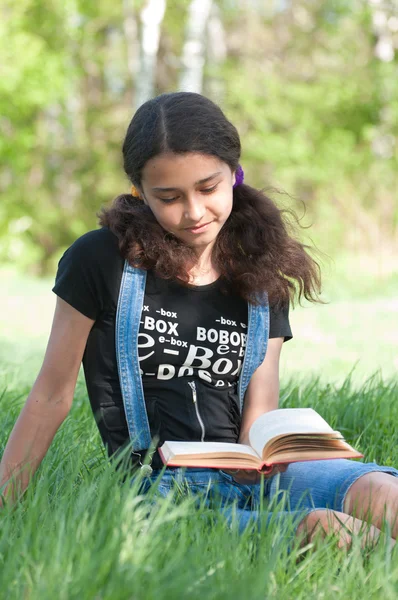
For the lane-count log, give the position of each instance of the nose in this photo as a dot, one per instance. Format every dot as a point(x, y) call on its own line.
point(194, 210)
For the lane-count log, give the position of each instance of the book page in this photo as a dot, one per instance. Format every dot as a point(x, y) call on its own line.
point(175, 449)
point(284, 421)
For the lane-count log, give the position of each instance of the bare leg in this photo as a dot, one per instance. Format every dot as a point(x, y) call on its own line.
point(323, 522)
point(374, 498)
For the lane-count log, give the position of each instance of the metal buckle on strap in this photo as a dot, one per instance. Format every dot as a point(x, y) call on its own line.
point(145, 469)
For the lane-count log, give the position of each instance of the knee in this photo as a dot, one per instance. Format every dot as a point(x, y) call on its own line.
point(322, 523)
point(314, 523)
point(371, 493)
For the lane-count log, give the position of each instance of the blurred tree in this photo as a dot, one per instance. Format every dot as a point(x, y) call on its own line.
point(216, 55)
point(307, 99)
point(151, 17)
point(62, 119)
point(130, 29)
point(311, 85)
point(193, 53)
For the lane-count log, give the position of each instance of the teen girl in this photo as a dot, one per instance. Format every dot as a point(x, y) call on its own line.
point(178, 307)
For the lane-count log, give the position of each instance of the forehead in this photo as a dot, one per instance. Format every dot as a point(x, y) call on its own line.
point(181, 170)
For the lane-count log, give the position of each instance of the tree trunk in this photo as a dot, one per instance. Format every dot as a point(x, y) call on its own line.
point(132, 42)
point(193, 52)
point(151, 18)
point(385, 140)
point(216, 54)
point(383, 143)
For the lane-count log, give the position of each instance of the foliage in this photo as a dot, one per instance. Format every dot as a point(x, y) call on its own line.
point(316, 106)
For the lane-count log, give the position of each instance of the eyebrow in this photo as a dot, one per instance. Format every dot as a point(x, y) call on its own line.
point(171, 189)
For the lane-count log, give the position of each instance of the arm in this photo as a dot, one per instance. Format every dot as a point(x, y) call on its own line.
point(49, 401)
point(262, 394)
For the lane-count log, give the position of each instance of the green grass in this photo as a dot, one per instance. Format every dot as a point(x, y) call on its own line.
point(80, 533)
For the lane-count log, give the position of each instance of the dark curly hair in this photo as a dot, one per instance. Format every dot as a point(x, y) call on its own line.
point(255, 251)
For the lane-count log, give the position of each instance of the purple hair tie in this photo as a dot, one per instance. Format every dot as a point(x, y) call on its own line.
point(239, 176)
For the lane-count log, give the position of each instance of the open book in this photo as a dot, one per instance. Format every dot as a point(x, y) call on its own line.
point(280, 436)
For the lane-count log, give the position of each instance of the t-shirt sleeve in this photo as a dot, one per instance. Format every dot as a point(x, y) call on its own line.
point(87, 273)
point(279, 325)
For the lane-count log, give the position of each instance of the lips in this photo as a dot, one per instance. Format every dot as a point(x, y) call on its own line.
point(198, 228)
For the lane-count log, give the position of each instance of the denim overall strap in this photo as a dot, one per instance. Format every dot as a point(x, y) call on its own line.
point(256, 344)
point(129, 308)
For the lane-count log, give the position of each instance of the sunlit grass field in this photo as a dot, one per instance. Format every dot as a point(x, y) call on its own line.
point(82, 533)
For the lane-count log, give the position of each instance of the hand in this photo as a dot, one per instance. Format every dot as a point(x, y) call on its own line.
point(251, 477)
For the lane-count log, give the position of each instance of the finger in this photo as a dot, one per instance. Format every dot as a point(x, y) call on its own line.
point(279, 469)
point(282, 468)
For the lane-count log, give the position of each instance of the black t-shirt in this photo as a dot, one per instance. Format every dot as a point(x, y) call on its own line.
point(197, 331)
point(191, 331)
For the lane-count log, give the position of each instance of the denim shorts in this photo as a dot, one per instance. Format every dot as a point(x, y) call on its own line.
point(285, 498)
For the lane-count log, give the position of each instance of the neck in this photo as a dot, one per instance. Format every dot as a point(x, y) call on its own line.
point(203, 257)
point(203, 271)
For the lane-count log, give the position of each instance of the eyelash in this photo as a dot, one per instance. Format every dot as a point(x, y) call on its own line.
point(206, 191)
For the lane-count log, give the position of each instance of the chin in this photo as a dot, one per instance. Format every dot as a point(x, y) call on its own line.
point(203, 242)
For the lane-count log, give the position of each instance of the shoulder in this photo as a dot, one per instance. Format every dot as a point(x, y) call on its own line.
point(97, 240)
point(89, 273)
point(97, 249)
point(279, 309)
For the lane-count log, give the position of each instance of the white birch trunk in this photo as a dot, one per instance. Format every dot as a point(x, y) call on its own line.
point(113, 74)
point(216, 54)
point(384, 49)
point(151, 18)
point(132, 42)
point(383, 144)
point(193, 53)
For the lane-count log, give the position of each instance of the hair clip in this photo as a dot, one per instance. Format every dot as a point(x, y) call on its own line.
point(239, 176)
point(134, 192)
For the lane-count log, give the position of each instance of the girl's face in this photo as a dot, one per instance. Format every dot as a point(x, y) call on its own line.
point(189, 194)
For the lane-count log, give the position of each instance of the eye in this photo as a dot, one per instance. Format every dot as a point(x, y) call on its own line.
point(209, 190)
point(168, 200)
